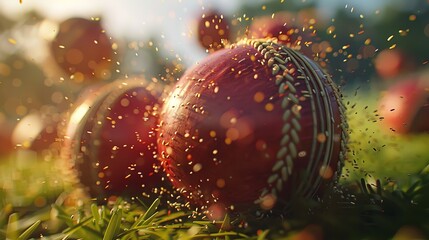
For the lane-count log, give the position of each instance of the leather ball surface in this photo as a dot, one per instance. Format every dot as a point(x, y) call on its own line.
point(254, 124)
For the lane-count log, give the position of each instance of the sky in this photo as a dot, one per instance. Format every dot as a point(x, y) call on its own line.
point(173, 21)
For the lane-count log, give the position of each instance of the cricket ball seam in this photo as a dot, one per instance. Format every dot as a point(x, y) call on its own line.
point(282, 169)
point(276, 58)
point(320, 93)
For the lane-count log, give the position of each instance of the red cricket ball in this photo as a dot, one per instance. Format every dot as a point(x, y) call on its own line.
point(213, 31)
point(257, 123)
point(83, 49)
point(405, 105)
point(111, 139)
point(287, 29)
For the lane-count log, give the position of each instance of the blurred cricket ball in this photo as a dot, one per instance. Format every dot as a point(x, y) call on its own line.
point(213, 31)
point(289, 32)
point(83, 49)
point(111, 139)
point(7, 146)
point(405, 105)
point(390, 63)
point(254, 124)
point(37, 132)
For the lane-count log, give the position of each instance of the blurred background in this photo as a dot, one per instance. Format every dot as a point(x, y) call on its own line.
point(376, 51)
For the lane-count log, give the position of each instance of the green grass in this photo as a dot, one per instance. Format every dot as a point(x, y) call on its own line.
point(356, 211)
point(375, 151)
point(26, 180)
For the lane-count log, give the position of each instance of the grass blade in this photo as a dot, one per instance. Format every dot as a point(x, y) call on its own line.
point(151, 210)
point(171, 217)
point(82, 231)
point(142, 203)
point(27, 233)
point(63, 215)
point(363, 186)
point(263, 235)
point(226, 225)
point(12, 227)
point(114, 225)
point(75, 228)
point(98, 221)
point(150, 219)
point(223, 234)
